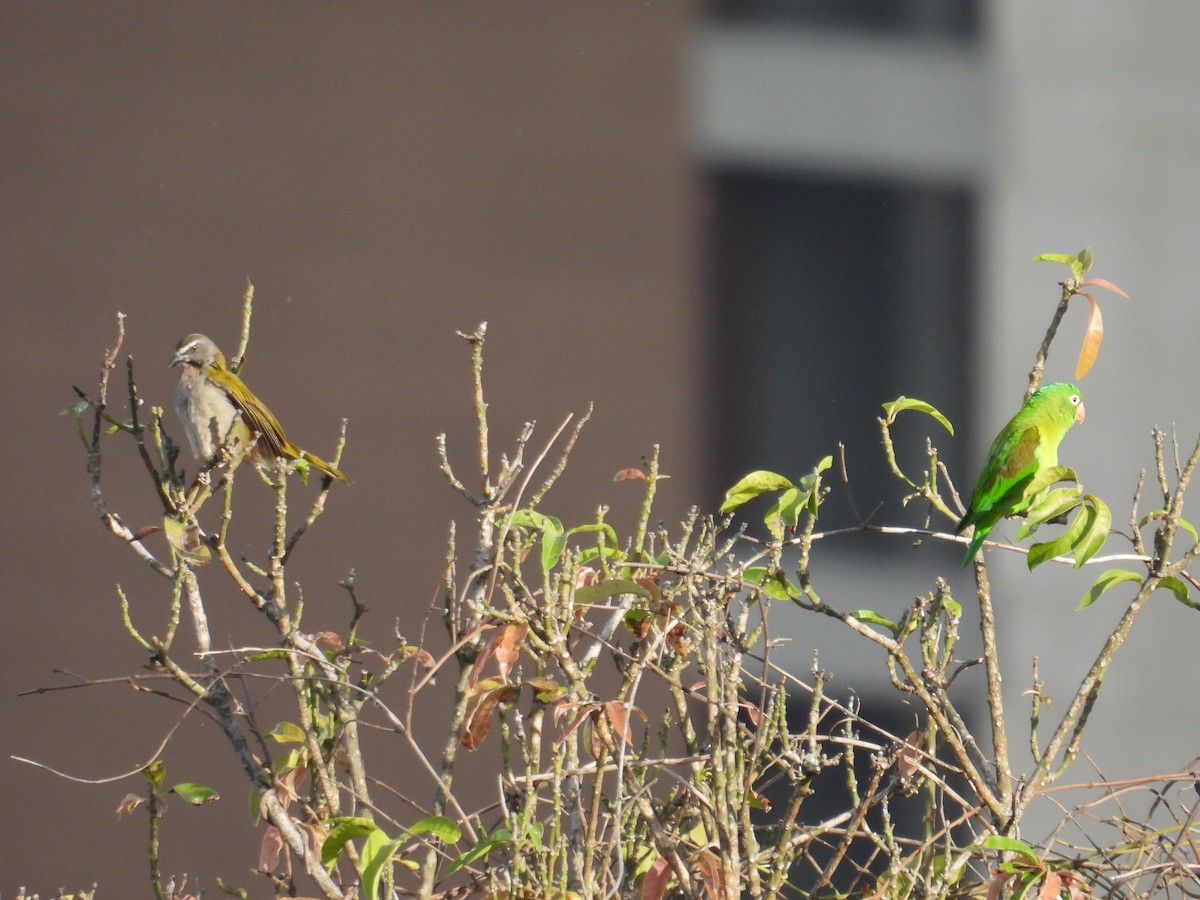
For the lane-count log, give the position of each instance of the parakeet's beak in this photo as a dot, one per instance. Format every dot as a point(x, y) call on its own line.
point(1079, 414)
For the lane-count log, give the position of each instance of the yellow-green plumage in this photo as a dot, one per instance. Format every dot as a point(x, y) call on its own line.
point(211, 400)
point(1027, 444)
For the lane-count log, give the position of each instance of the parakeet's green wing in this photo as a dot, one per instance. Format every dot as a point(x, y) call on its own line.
point(254, 412)
point(1028, 443)
point(1012, 462)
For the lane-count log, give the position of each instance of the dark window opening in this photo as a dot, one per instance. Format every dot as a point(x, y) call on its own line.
point(831, 298)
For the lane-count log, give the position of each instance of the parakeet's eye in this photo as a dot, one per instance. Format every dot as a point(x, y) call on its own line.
point(1074, 399)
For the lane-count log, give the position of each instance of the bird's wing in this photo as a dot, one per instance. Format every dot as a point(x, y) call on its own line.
point(254, 411)
point(1011, 463)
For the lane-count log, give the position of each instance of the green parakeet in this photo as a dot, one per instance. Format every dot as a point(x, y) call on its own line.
point(1028, 443)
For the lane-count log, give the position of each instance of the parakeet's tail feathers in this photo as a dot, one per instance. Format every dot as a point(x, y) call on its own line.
point(1010, 499)
point(976, 542)
point(325, 468)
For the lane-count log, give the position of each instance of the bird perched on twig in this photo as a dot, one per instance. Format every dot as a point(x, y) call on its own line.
point(210, 399)
point(1025, 446)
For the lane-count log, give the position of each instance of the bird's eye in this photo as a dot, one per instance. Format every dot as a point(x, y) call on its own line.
point(1075, 399)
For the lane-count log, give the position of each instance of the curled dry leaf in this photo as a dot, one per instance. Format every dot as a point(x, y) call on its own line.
point(910, 756)
point(329, 640)
point(508, 647)
point(651, 585)
point(711, 872)
point(270, 849)
point(479, 718)
point(630, 475)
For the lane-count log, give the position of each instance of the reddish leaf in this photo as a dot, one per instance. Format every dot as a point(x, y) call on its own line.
point(329, 640)
point(316, 837)
point(1091, 339)
point(1051, 887)
point(546, 689)
point(129, 803)
point(479, 718)
point(508, 647)
point(585, 576)
point(630, 475)
point(760, 800)
point(753, 713)
point(637, 622)
point(481, 661)
point(1104, 283)
point(910, 755)
point(269, 850)
point(582, 712)
point(996, 885)
point(614, 711)
point(425, 659)
point(710, 871)
point(145, 532)
point(651, 585)
point(288, 782)
point(677, 637)
point(654, 882)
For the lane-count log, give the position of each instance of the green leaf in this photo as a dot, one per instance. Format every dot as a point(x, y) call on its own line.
point(268, 654)
point(1179, 588)
point(1077, 268)
point(591, 594)
point(1085, 260)
point(873, 618)
point(287, 733)
point(155, 773)
point(376, 860)
point(345, 828)
point(553, 538)
point(501, 837)
point(753, 485)
point(603, 528)
point(195, 794)
point(301, 467)
point(1002, 843)
point(785, 514)
point(187, 540)
point(78, 408)
point(1055, 503)
point(587, 554)
point(902, 403)
point(439, 826)
point(1039, 553)
point(1043, 478)
point(1107, 579)
point(1095, 531)
point(773, 584)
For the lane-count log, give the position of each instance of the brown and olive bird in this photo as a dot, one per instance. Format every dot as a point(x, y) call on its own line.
point(209, 398)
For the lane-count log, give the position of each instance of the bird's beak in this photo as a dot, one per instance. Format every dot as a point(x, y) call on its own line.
point(176, 359)
point(1080, 413)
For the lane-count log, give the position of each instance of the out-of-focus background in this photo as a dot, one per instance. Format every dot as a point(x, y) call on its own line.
point(737, 227)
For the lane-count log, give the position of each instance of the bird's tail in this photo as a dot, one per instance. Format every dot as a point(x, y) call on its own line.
point(324, 468)
point(977, 539)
